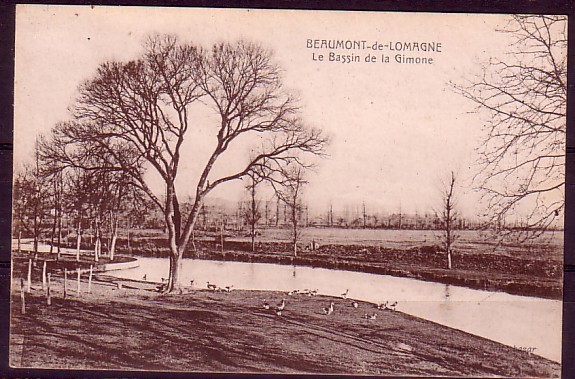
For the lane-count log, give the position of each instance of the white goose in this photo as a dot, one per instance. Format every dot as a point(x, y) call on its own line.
point(329, 310)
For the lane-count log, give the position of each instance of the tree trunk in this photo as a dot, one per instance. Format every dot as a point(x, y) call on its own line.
point(58, 248)
point(59, 215)
point(129, 227)
point(79, 238)
point(253, 215)
point(59, 236)
point(174, 284)
point(113, 245)
point(97, 246)
point(98, 243)
point(53, 234)
point(222, 235)
point(78, 242)
point(294, 223)
point(295, 238)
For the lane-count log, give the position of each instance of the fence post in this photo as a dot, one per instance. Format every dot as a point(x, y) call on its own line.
point(48, 294)
point(78, 289)
point(65, 281)
point(23, 300)
point(90, 280)
point(29, 278)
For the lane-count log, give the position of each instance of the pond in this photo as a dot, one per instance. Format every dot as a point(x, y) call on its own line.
point(520, 321)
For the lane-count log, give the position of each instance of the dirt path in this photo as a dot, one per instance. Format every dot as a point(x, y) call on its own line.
point(201, 330)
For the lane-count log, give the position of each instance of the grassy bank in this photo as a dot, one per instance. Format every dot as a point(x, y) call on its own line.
point(139, 329)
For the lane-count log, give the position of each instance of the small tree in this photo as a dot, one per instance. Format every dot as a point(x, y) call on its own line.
point(290, 193)
point(252, 213)
point(448, 217)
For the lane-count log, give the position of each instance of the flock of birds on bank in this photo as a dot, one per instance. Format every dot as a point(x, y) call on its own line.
point(278, 308)
point(330, 309)
point(210, 286)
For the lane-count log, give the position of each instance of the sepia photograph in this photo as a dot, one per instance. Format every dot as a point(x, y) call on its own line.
point(212, 190)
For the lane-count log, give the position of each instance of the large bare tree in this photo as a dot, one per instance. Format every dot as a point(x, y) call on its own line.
point(525, 97)
point(136, 115)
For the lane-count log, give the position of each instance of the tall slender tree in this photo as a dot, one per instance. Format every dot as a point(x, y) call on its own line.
point(290, 191)
point(252, 213)
point(448, 217)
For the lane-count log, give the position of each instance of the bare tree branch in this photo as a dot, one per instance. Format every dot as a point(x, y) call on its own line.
point(522, 156)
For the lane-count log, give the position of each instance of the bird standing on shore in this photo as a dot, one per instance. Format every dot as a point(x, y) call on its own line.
point(145, 277)
point(344, 295)
point(354, 304)
point(266, 305)
point(329, 310)
point(211, 286)
point(392, 306)
point(280, 307)
point(372, 316)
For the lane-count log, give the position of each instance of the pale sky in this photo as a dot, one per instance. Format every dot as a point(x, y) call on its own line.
point(395, 128)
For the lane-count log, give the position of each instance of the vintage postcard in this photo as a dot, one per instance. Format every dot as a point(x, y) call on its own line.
point(288, 191)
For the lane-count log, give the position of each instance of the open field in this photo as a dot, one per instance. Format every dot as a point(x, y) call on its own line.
point(549, 246)
point(135, 328)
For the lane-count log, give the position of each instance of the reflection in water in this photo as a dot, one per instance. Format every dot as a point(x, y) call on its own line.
point(513, 320)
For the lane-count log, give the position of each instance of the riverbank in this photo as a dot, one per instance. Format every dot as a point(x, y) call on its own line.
point(136, 328)
point(526, 275)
